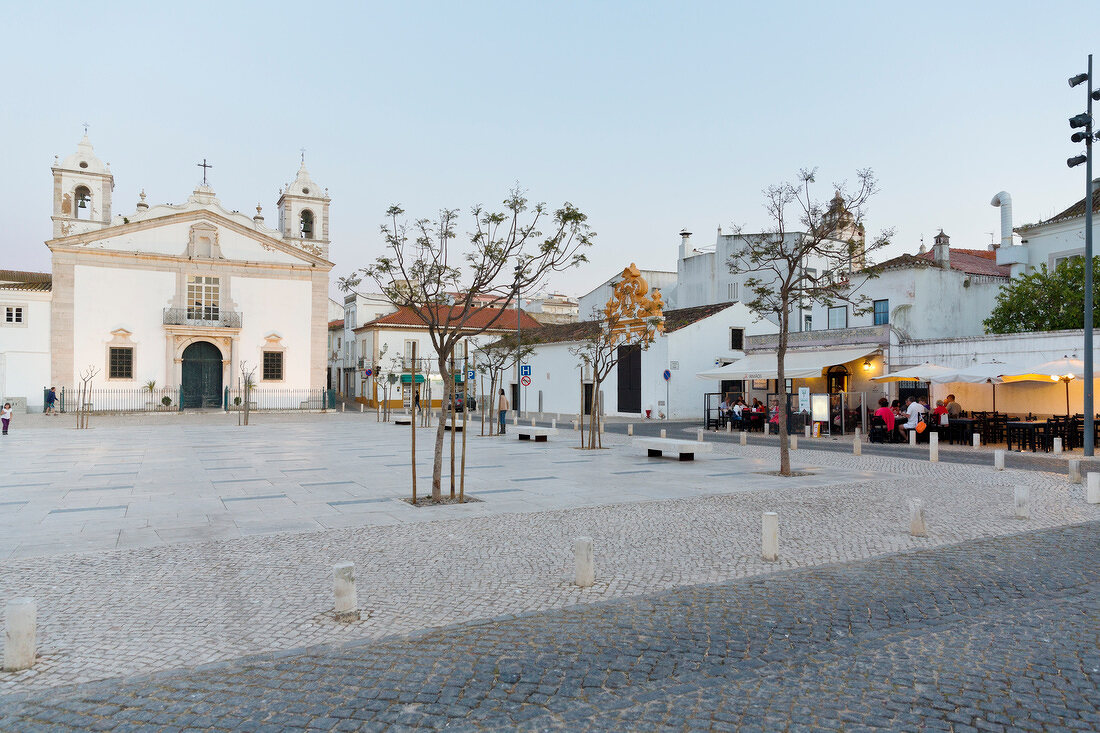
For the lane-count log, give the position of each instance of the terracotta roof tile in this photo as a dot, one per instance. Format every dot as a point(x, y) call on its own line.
point(500, 320)
point(1072, 212)
point(972, 262)
point(23, 280)
point(674, 320)
point(336, 324)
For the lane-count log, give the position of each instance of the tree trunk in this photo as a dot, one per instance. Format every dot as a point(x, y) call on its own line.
point(437, 463)
point(781, 388)
point(454, 428)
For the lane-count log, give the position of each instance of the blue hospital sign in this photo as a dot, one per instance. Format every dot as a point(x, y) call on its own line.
point(525, 370)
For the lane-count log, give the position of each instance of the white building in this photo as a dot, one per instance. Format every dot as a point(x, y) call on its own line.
point(24, 338)
point(552, 308)
point(359, 309)
point(593, 301)
point(694, 339)
point(186, 294)
point(387, 344)
point(1047, 242)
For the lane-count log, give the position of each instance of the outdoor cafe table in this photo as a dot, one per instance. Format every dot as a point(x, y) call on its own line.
point(962, 428)
point(1024, 434)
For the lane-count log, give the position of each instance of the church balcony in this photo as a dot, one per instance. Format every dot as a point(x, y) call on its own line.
point(199, 317)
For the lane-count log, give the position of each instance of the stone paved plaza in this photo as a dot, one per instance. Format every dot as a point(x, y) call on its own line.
point(157, 545)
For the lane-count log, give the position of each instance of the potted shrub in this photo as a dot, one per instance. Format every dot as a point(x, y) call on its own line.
point(166, 401)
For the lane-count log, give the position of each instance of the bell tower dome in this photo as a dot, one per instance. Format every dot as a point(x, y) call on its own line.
point(303, 213)
point(82, 186)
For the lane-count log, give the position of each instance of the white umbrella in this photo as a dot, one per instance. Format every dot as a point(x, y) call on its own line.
point(989, 372)
point(926, 372)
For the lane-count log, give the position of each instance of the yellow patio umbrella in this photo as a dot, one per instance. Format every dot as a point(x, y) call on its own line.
point(1063, 370)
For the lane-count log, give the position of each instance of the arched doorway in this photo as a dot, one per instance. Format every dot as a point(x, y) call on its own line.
point(837, 379)
point(202, 375)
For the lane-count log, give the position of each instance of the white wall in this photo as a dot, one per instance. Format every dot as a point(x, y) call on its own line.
point(1044, 244)
point(25, 349)
point(925, 302)
point(275, 306)
point(107, 299)
point(597, 298)
point(172, 239)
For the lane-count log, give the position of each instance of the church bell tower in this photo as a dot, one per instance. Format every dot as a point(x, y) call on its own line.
point(82, 187)
point(303, 214)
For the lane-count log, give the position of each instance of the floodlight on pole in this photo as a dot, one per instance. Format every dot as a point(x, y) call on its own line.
point(1085, 120)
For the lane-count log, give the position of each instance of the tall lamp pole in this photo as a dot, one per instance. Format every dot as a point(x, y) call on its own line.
point(1085, 120)
point(519, 338)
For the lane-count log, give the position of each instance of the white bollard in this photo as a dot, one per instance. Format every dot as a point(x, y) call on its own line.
point(1021, 496)
point(1057, 446)
point(663, 433)
point(729, 426)
point(532, 422)
point(1092, 492)
point(554, 423)
point(343, 586)
point(917, 527)
point(744, 438)
point(342, 407)
point(515, 420)
point(793, 442)
point(769, 540)
point(699, 435)
point(602, 426)
point(934, 447)
point(857, 446)
point(361, 406)
point(976, 439)
point(912, 437)
point(859, 431)
point(575, 425)
point(630, 428)
point(767, 429)
point(999, 459)
point(1074, 471)
point(20, 622)
point(806, 432)
point(582, 558)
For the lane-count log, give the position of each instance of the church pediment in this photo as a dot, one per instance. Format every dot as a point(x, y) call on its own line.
point(196, 234)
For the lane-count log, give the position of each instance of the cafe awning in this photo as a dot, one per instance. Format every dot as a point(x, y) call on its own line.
point(798, 364)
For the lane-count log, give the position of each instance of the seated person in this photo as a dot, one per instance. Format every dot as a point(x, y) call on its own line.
point(739, 407)
point(756, 406)
point(724, 408)
point(774, 419)
point(886, 414)
point(939, 415)
point(954, 409)
point(914, 410)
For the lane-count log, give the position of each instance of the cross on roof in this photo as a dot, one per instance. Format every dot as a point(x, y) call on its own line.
point(85, 128)
point(204, 166)
point(303, 155)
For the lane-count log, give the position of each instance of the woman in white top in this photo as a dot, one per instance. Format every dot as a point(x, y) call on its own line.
point(5, 416)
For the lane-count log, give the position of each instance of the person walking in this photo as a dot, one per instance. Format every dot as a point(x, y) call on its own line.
point(5, 416)
point(502, 409)
point(51, 400)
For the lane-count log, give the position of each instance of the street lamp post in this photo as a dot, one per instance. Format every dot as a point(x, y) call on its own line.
point(1085, 121)
point(519, 339)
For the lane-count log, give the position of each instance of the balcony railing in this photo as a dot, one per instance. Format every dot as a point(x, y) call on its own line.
point(210, 317)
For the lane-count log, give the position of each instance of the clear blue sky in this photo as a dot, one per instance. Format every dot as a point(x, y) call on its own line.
point(649, 116)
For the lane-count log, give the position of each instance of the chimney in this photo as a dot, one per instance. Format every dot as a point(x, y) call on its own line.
point(685, 243)
point(941, 250)
point(1004, 201)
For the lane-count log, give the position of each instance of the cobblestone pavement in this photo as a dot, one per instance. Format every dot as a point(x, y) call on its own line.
point(132, 611)
point(996, 634)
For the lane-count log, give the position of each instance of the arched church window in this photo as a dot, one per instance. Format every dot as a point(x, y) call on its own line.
point(307, 224)
point(82, 198)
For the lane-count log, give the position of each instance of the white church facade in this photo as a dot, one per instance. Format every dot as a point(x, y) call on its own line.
point(187, 294)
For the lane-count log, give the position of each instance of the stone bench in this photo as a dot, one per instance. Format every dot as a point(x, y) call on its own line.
point(530, 432)
point(402, 420)
point(457, 426)
point(686, 449)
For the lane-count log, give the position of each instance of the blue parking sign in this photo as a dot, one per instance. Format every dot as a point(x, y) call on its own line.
point(525, 370)
point(471, 374)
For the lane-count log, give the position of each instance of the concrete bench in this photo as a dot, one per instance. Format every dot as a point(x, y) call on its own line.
point(457, 426)
point(529, 432)
point(686, 449)
point(402, 419)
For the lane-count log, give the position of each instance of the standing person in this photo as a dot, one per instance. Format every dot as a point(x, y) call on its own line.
point(5, 416)
point(51, 400)
point(416, 400)
point(502, 409)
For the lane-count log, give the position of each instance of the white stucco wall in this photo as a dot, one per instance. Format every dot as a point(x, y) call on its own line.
point(1042, 245)
point(172, 239)
point(597, 298)
point(925, 302)
point(108, 299)
point(275, 306)
point(25, 349)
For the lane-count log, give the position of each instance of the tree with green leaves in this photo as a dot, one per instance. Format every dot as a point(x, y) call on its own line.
point(810, 252)
point(1044, 300)
point(445, 285)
